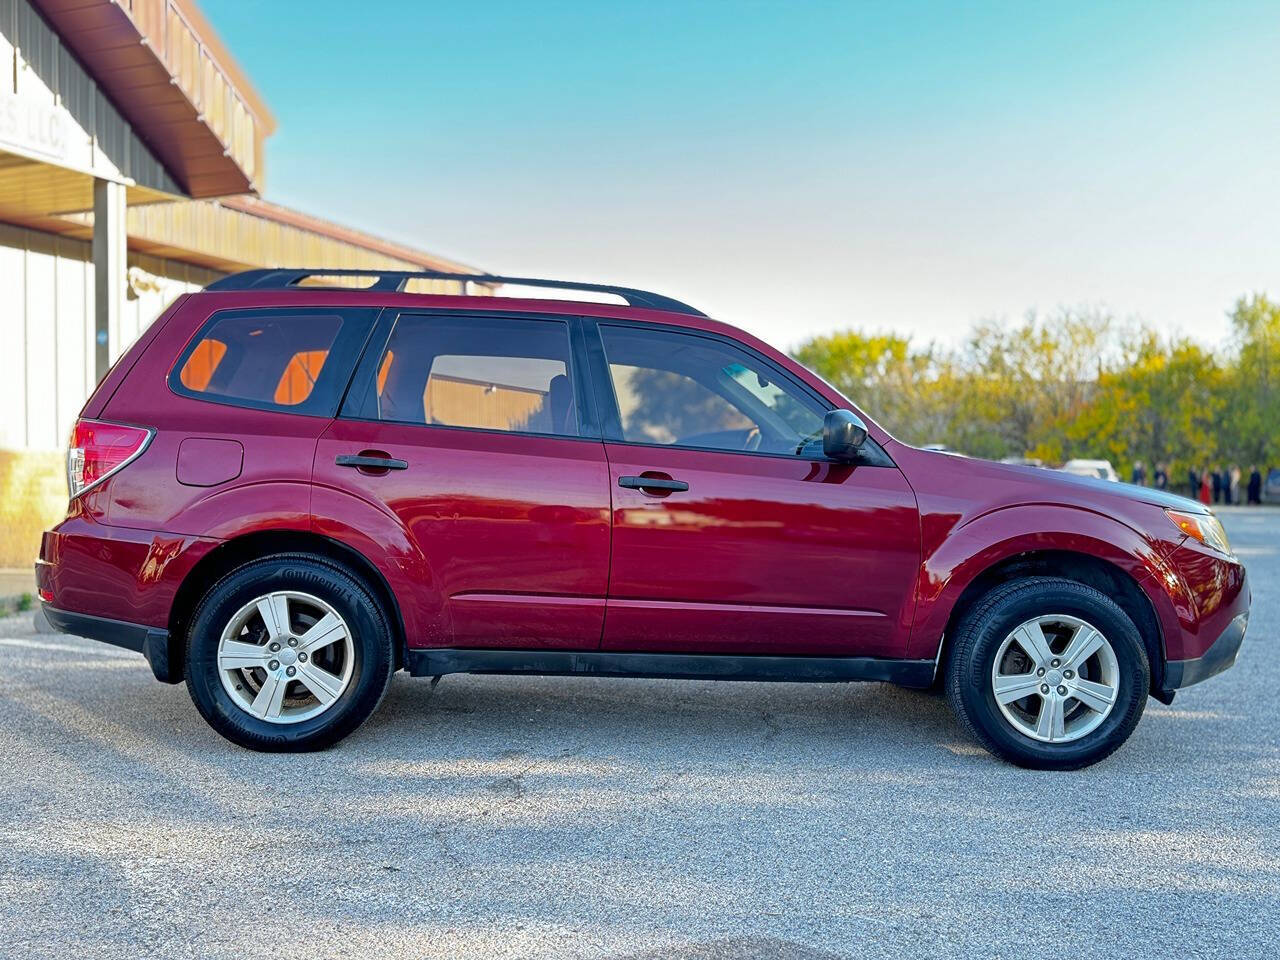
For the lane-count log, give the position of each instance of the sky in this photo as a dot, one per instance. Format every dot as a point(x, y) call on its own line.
point(797, 167)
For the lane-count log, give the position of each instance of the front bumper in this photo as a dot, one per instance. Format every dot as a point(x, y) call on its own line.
point(1221, 654)
point(151, 642)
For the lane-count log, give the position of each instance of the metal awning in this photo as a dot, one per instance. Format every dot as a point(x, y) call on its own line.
point(36, 193)
point(169, 75)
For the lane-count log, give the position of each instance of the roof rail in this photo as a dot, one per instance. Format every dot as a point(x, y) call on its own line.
point(395, 280)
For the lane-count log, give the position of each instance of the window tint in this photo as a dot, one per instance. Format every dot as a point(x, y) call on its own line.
point(296, 360)
point(693, 391)
point(478, 372)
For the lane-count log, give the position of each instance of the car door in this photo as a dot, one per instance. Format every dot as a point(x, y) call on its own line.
point(732, 533)
point(468, 429)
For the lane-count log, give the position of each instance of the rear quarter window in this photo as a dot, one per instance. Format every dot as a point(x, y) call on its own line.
point(292, 360)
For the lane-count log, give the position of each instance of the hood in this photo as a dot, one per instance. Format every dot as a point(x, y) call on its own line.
point(1107, 489)
point(1007, 483)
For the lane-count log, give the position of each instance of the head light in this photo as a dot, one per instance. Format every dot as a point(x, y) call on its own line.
point(1204, 527)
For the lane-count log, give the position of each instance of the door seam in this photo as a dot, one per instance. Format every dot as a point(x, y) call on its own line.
point(608, 579)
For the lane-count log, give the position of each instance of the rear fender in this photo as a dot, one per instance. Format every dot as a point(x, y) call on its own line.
point(378, 535)
point(234, 511)
point(368, 529)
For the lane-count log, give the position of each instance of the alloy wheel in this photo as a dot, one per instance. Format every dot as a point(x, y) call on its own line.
point(286, 657)
point(1055, 678)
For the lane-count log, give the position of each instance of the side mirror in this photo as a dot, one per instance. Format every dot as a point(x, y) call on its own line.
point(842, 434)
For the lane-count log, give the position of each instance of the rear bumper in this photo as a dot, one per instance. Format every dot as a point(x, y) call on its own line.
point(117, 585)
point(122, 573)
point(151, 642)
point(1221, 654)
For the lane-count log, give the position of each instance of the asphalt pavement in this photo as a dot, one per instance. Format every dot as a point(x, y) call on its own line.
point(504, 817)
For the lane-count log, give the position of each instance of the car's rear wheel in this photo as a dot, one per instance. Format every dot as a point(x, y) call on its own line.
point(288, 653)
point(1048, 673)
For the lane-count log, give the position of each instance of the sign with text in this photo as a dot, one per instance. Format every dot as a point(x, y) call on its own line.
point(33, 127)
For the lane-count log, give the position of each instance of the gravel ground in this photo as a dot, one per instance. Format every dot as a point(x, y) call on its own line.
point(500, 817)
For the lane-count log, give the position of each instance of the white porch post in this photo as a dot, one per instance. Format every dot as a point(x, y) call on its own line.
point(110, 264)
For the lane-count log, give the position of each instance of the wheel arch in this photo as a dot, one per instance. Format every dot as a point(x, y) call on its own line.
point(1080, 567)
point(965, 557)
point(239, 550)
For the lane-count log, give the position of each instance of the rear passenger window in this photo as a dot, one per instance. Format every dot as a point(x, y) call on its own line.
point(482, 373)
point(295, 360)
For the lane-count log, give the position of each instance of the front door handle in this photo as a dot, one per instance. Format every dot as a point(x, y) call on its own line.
point(364, 462)
point(651, 483)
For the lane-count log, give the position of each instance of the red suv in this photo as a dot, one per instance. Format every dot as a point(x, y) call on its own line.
point(284, 492)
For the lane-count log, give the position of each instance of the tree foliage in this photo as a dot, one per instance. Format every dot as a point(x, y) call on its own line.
point(1253, 395)
point(1074, 383)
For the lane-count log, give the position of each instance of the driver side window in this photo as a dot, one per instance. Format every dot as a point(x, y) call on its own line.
point(693, 391)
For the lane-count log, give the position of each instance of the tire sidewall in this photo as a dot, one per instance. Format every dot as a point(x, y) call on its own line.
point(370, 643)
point(975, 687)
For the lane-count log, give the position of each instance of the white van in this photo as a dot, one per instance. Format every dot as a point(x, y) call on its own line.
point(1102, 469)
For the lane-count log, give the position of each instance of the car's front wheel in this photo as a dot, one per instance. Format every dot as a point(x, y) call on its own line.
point(1048, 673)
point(288, 653)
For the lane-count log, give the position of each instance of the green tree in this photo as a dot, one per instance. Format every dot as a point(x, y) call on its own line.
point(1163, 406)
point(1252, 420)
point(1073, 383)
point(1024, 382)
point(883, 375)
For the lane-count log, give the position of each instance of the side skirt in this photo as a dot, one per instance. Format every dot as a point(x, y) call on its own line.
point(672, 666)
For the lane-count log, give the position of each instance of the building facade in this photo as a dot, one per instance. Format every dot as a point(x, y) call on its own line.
point(131, 159)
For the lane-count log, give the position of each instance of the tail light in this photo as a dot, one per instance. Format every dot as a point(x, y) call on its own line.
point(100, 449)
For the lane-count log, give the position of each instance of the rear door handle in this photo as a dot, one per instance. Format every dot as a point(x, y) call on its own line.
point(362, 462)
point(651, 483)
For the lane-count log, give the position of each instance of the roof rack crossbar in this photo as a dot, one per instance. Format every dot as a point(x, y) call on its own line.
point(396, 280)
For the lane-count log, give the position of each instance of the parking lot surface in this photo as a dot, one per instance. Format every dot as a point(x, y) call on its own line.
point(513, 817)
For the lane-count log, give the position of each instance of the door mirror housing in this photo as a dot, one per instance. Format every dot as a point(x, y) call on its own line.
point(843, 433)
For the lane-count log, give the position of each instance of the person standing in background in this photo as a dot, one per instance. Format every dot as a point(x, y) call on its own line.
point(1234, 489)
point(1160, 479)
point(1206, 486)
point(1255, 485)
point(1139, 477)
point(1193, 478)
point(1215, 478)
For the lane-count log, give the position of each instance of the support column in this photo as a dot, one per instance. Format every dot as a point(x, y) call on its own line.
point(110, 265)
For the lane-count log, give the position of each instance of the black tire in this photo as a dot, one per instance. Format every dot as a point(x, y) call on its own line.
point(371, 641)
point(981, 631)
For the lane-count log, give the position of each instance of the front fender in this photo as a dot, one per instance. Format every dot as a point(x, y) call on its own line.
point(972, 547)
